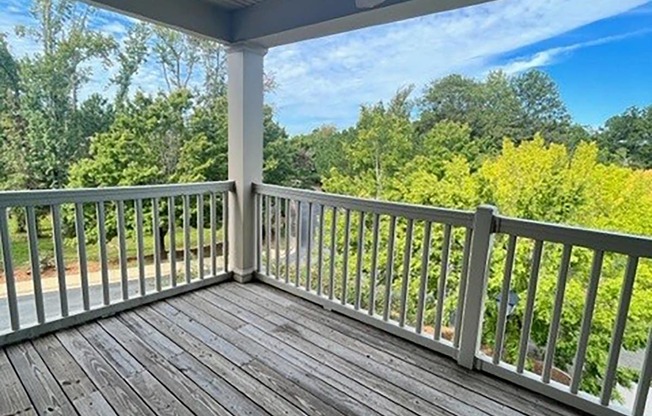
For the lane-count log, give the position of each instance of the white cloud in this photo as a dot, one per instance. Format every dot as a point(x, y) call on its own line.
point(114, 28)
point(325, 80)
point(16, 14)
point(549, 56)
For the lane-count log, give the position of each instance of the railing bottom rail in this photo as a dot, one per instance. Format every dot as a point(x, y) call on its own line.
point(347, 310)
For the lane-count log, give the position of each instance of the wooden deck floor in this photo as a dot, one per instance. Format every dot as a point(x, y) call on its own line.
point(244, 350)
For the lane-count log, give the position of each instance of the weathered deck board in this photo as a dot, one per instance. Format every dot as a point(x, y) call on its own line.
point(196, 399)
point(81, 391)
point(241, 380)
point(341, 382)
point(216, 386)
point(271, 332)
point(114, 388)
point(152, 392)
point(429, 387)
point(13, 398)
point(42, 388)
point(268, 355)
point(265, 374)
point(245, 350)
point(337, 326)
point(431, 404)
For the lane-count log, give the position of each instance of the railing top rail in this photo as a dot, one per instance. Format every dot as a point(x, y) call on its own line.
point(630, 245)
point(63, 196)
point(416, 212)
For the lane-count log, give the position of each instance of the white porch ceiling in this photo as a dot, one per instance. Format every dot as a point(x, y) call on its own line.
point(271, 23)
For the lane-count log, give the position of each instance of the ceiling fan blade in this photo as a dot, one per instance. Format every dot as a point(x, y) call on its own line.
point(368, 4)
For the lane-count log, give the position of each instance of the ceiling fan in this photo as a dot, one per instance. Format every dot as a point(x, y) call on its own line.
point(368, 4)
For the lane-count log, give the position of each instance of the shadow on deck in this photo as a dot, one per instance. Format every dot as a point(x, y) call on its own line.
point(245, 350)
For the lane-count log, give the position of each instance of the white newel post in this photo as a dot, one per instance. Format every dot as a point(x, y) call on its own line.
point(481, 245)
point(245, 94)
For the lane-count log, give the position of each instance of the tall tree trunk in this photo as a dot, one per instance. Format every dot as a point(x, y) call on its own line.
point(162, 232)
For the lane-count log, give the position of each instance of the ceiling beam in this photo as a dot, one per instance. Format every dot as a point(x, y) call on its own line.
point(278, 22)
point(192, 16)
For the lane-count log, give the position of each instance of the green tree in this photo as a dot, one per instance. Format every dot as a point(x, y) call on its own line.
point(550, 183)
point(548, 190)
point(453, 98)
point(67, 44)
point(178, 55)
point(627, 138)
point(9, 76)
point(284, 159)
point(543, 110)
point(499, 113)
point(212, 58)
point(383, 144)
point(328, 143)
point(131, 56)
point(491, 108)
point(290, 163)
point(204, 156)
point(9, 120)
point(50, 127)
point(162, 139)
point(141, 147)
point(446, 140)
point(191, 63)
point(319, 152)
point(497, 107)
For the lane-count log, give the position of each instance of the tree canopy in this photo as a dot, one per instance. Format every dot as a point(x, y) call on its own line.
point(627, 138)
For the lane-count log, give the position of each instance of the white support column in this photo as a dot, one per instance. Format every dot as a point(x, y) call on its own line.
point(245, 93)
point(476, 289)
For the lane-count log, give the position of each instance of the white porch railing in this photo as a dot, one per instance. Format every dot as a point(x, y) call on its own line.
point(152, 211)
point(377, 262)
point(318, 246)
point(596, 247)
point(330, 269)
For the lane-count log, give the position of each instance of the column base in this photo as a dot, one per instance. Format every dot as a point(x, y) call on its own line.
point(243, 277)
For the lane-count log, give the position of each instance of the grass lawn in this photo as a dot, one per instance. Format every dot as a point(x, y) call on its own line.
point(20, 246)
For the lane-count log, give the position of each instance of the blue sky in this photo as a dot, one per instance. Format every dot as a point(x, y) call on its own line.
point(599, 53)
